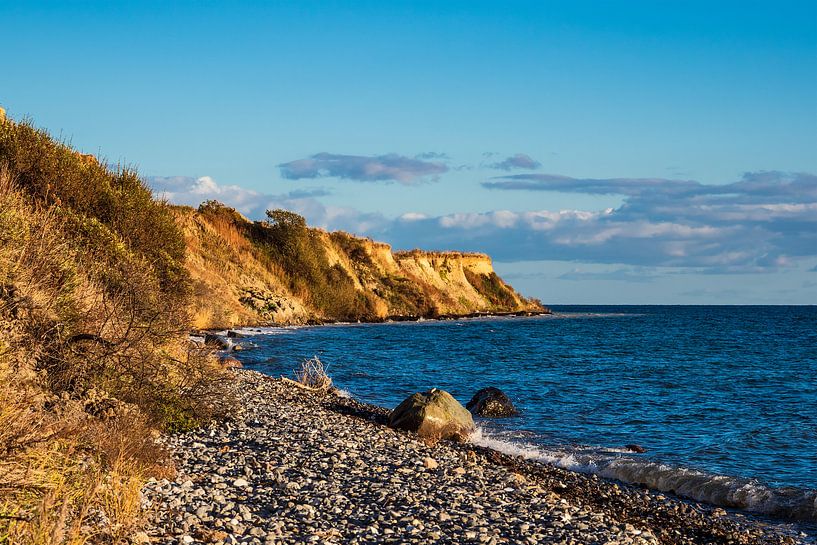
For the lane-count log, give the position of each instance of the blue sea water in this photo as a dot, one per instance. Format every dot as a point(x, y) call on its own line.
point(724, 399)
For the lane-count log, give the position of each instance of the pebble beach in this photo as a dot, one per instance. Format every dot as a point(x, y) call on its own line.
point(300, 467)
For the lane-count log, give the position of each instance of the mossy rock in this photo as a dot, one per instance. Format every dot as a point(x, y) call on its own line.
point(433, 415)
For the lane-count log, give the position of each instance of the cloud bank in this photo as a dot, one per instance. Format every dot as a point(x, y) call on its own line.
point(604, 186)
point(379, 168)
point(763, 222)
point(192, 191)
point(518, 161)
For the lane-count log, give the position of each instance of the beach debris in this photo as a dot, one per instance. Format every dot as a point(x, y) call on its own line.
point(433, 415)
point(491, 402)
point(311, 376)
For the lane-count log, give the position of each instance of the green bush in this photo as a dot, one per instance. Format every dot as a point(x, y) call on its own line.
point(86, 192)
point(490, 286)
point(287, 244)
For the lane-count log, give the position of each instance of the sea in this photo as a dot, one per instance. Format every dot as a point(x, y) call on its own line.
point(722, 398)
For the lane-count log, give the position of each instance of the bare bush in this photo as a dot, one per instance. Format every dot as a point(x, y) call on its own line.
point(312, 374)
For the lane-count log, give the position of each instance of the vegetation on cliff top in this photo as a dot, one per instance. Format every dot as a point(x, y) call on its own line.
point(286, 241)
point(280, 270)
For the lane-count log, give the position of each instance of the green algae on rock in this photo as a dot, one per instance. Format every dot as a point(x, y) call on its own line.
point(433, 415)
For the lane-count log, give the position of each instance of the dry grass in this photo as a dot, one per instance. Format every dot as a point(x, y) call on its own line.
point(66, 476)
point(93, 351)
point(226, 269)
point(312, 374)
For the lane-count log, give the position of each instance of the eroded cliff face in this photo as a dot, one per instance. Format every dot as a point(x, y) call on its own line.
point(232, 286)
point(255, 273)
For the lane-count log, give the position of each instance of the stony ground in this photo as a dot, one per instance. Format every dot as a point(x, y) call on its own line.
point(297, 467)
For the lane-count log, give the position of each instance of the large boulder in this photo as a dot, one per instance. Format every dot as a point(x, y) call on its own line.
point(215, 341)
point(433, 415)
point(491, 402)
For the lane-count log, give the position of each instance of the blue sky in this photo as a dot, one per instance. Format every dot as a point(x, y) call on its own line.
point(603, 152)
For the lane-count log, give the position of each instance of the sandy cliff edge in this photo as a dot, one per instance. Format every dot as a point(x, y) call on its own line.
point(243, 275)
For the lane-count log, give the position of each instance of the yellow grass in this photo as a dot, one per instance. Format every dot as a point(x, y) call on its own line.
point(93, 350)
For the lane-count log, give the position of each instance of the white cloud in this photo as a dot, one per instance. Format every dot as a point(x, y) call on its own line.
point(377, 168)
point(413, 216)
point(761, 223)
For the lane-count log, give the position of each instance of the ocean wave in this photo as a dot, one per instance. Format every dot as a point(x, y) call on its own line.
point(267, 330)
point(570, 315)
point(734, 492)
point(346, 394)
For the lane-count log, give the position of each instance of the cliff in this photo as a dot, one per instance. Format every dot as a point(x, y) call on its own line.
point(100, 284)
point(281, 271)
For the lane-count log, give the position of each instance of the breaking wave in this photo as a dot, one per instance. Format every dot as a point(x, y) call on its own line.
point(734, 492)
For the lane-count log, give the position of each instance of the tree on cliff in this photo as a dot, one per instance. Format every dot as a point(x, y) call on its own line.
point(285, 219)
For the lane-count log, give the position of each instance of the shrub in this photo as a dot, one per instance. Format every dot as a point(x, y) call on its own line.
point(55, 175)
point(312, 373)
point(354, 248)
point(490, 286)
point(409, 297)
point(286, 244)
point(93, 348)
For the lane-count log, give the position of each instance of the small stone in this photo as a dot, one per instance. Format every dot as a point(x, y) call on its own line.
point(430, 463)
point(240, 483)
point(217, 535)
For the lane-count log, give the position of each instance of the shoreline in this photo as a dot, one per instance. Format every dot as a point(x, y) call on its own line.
point(314, 322)
point(784, 504)
point(294, 466)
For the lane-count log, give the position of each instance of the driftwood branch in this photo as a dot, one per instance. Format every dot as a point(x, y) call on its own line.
point(322, 388)
point(89, 337)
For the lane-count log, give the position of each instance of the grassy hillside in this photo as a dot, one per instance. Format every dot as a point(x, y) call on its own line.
point(100, 284)
point(282, 271)
point(94, 299)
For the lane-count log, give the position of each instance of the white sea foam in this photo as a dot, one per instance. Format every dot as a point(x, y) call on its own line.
point(270, 330)
point(739, 493)
point(343, 393)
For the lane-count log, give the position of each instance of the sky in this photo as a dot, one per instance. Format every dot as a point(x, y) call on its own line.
point(625, 152)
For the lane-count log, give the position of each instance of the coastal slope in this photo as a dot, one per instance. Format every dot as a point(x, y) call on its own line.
point(282, 271)
point(94, 347)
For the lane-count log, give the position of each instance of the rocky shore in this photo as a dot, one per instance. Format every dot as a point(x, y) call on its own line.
point(299, 467)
